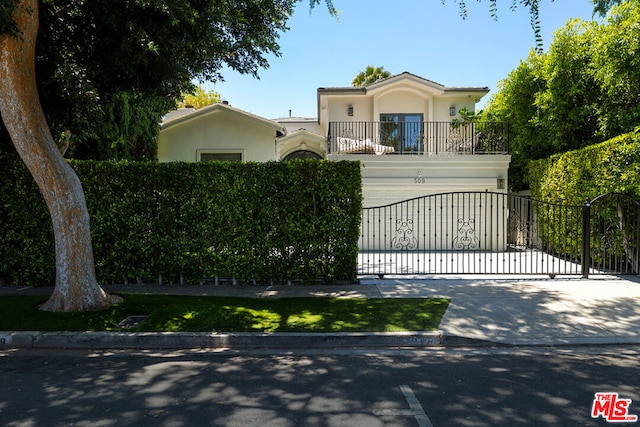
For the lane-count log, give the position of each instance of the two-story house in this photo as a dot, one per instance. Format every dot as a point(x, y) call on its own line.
point(406, 131)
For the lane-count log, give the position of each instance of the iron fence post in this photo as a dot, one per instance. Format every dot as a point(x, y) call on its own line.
point(586, 238)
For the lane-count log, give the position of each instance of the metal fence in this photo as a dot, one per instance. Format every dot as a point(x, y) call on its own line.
point(418, 137)
point(498, 233)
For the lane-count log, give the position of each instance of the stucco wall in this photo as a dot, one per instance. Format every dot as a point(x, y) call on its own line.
point(441, 107)
point(218, 131)
point(403, 101)
point(337, 108)
point(390, 179)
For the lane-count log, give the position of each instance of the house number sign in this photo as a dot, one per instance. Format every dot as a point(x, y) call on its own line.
point(419, 179)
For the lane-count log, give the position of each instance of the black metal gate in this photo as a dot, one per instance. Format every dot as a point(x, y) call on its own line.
point(498, 233)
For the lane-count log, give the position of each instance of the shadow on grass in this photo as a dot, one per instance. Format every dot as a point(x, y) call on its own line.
point(173, 313)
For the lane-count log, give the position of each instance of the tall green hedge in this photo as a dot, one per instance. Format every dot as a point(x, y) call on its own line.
point(569, 178)
point(188, 222)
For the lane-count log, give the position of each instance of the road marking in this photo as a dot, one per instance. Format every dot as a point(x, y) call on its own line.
point(415, 409)
point(414, 405)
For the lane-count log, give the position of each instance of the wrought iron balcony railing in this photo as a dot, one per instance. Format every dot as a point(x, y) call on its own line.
point(418, 138)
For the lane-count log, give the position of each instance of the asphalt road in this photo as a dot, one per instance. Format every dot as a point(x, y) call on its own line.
point(435, 387)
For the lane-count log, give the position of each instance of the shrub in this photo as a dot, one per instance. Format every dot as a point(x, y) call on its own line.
point(187, 222)
point(609, 167)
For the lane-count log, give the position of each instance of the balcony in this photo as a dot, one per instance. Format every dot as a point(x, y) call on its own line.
point(418, 138)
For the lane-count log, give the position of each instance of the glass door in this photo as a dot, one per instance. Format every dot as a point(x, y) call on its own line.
point(402, 131)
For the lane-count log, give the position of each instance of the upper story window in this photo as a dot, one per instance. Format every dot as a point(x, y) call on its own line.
point(403, 131)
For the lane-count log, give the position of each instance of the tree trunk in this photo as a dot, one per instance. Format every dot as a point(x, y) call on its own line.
point(76, 287)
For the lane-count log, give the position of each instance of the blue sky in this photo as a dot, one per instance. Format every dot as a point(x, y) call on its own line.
point(423, 37)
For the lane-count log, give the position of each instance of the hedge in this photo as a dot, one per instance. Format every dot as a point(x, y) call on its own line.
point(569, 178)
point(191, 222)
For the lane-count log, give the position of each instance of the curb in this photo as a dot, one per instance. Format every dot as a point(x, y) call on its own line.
point(192, 340)
point(276, 341)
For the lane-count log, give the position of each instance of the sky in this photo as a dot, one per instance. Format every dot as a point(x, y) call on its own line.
point(423, 37)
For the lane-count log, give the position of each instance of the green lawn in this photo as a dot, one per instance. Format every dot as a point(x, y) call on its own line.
point(227, 314)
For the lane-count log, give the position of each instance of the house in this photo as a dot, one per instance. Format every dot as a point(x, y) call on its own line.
point(406, 131)
point(217, 132)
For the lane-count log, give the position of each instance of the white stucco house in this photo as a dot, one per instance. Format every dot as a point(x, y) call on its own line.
point(405, 130)
point(217, 132)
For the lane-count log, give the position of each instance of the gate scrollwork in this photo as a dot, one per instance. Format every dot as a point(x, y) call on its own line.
point(403, 237)
point(466, 238)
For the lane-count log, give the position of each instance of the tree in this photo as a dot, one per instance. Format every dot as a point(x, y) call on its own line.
point(514, 103)
point(603, 6)
point(76, 286)
point(616, 70)
point(370, 75)
point(200, 98)
point(108, 71)
point(103, 52)
point(584, 90)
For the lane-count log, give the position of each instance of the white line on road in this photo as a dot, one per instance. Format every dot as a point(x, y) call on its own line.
point(415, 409)
point(414, 405)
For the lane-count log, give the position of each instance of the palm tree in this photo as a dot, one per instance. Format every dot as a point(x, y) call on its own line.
point(370, 75)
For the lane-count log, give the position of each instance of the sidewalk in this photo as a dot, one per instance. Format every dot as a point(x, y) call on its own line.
point(533, 311)
point(484, 310)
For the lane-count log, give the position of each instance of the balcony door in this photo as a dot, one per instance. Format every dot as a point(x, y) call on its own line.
point(402, 131)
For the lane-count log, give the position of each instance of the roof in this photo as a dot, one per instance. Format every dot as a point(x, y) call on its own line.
point(296, 120)
point(217, 108)
point(302, 133)
point(348, 90)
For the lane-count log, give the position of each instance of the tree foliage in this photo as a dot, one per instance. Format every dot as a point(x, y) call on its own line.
point(370, 75)
point(532, 5)
point(108, 70)
point(599, 6)
point(200, 98)
point(584, 90)
point(602, 6)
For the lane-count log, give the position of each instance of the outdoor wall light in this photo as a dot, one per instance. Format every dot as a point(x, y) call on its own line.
point(452, 110)
point(350, 110)
point(500, 183)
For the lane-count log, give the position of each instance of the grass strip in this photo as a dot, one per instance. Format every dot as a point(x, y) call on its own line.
point(171, 313)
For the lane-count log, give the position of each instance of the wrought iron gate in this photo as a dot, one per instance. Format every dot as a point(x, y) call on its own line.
point(498, 233)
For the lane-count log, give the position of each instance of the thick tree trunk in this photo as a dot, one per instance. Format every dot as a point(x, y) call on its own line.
point(76, 287)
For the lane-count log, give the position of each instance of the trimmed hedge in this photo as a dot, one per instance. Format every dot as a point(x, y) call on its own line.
point(189, 222)
point(569, 178)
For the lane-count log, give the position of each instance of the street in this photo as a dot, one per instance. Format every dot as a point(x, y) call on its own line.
point(438, 387)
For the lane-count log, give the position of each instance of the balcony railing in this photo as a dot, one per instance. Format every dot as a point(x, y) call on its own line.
point(418, 138)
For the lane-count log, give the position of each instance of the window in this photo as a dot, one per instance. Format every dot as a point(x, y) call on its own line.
point(402, 131)
point(222, 156)
point(302, 154)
